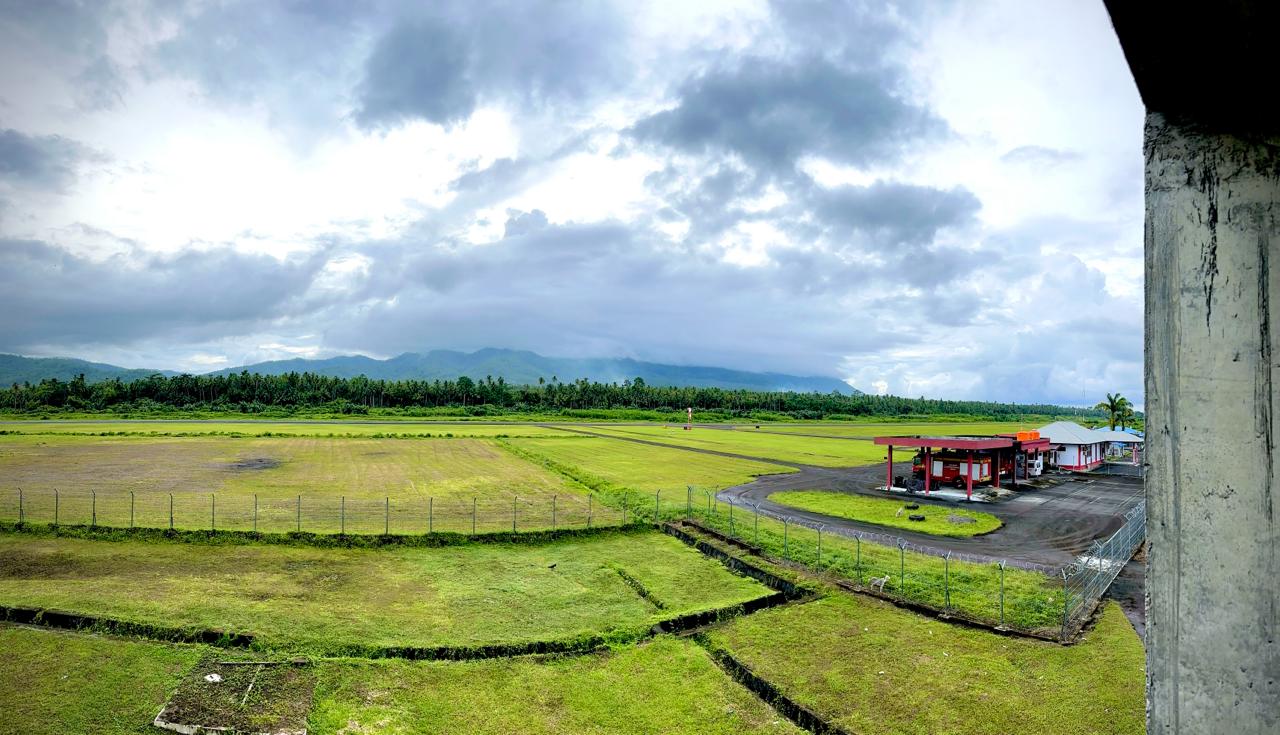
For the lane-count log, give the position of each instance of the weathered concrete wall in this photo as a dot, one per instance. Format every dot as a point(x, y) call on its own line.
point(1213, 312)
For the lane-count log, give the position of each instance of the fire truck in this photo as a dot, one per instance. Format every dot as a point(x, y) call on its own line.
point(948, 468)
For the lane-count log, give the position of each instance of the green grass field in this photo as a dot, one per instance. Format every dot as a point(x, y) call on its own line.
point(261, 427)
point(668, 685)
point(418, 478)
point(872, 668)
point(55, 682)
point(752, 443)
point(938, 521)
point(647, 468)
point(332, 600)
point(1032, 600)
point(960, 428)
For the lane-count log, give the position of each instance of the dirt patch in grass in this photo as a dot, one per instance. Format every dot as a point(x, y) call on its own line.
point(254, 463)
point(242, 696)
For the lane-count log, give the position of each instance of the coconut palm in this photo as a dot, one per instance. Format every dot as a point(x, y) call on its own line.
point(1118, 408)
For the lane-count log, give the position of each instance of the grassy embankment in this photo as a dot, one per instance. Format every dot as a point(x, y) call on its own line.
point(331, 601)
point(54, 682)
point(891, 513)
point(871, 668)
point(611, 467)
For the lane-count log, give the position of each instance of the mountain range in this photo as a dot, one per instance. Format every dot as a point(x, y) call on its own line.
point(515, 366)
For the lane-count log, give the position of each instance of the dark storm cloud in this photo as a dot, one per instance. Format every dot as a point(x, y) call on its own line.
point(51, 296)
point(600, 289)
point(893, 212)
point(439, 66)
point(41, 161)
point(772, 113)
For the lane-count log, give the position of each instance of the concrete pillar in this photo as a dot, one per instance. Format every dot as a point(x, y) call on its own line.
point(1212, 315)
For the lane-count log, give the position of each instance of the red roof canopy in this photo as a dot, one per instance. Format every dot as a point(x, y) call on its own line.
point(948, 442)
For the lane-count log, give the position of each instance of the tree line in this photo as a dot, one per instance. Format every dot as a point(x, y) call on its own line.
point(247, 392)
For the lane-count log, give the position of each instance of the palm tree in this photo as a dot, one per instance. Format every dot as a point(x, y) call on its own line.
point(1118, 409)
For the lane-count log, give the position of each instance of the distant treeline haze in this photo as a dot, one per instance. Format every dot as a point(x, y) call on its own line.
point(254, 393)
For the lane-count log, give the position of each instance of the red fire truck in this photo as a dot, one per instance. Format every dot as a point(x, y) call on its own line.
point(948, 467)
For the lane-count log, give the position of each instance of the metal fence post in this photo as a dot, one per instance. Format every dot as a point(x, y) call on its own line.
point(553, 512)
point(708, 494)
point(757, 524)
point(656, 512)
point(20, 510)
point(473, 515)
point(255, 512)
point(514, 499)
point(1066, 598)
point(624, 509)
point(688, 502)
point(93, 518)
point(55, 507)
point(857, 541)
point(902, 566)
point(1002, 593)
point(589, 499)
point(731, 528)
point(213, 512)
point(299, 514)
point(342, 517)
point(130, 509)
point(386, 518)
point(819, 564)
point(786, 548)
point(170, 511)
point(431, 516)
point(946, 581)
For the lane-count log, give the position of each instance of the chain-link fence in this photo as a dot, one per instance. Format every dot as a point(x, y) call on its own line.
point(1085, 582)
point(1017, 595)
point(310, 513)
point(1122, 469)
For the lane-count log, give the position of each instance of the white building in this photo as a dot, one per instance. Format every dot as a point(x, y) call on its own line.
point(1073, 447)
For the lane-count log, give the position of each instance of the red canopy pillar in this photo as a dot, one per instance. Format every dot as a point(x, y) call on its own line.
point(928, 469)
point(968, 478)
point(888, 483)
point(995, 469)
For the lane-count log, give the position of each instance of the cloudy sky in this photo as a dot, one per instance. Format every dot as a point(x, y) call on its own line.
point(939, 199)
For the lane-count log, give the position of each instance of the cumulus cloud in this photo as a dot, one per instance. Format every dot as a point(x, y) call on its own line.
point(771, 113)
point(41, 161)
point(780, 186)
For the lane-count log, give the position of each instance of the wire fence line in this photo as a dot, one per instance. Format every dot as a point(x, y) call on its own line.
point(1021, 596)
point(310, 513)
point(1085, 582)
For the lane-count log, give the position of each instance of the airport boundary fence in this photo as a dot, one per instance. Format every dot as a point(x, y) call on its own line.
point(1028, 598)
point(322, 514)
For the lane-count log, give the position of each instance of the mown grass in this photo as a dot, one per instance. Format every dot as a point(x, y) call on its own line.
point(751, 443)
point(645, 468)
point(668, 685)
point(54, 682)
point(427, 483)
point(1032, 601)
point(872, 668)
point(267, 428)
point(346, 600)
point(890, 513)
point(923, 428)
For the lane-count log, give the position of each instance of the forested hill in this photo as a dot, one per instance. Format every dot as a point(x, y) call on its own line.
point(513, 366)
point(19, 369)
point(299, 392)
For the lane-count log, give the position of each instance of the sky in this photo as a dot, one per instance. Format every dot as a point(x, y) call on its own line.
point(937, 199)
